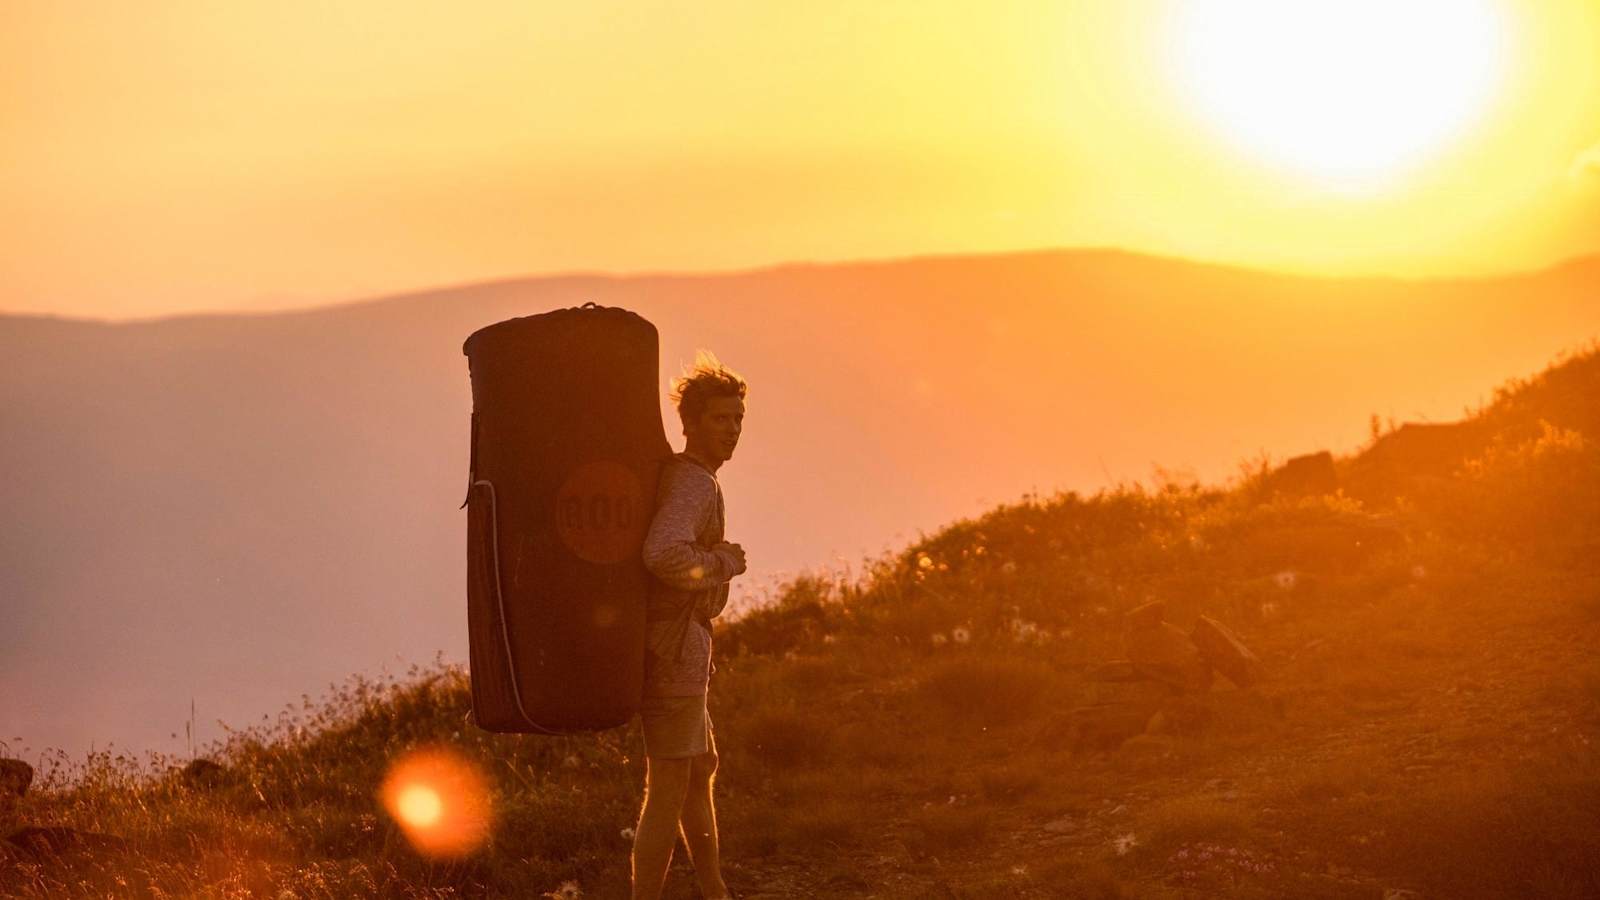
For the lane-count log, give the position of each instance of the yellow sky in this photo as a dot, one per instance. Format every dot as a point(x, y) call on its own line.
point(168, 156)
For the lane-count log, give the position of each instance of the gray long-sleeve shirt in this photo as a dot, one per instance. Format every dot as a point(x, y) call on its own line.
point(690, 583)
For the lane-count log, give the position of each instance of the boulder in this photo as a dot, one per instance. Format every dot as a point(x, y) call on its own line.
point(1417, 452)
point(202, 773)
point(1105, 726)
point(1166, 654)
point(1224, 652)
point(41, 843)
point(15, 777)
point(1063, 825)
point(1147, 745)
point(1188, 715)
point(1144, 692)
point(1147, 616)
point(1311, 475)
point(1117, 671)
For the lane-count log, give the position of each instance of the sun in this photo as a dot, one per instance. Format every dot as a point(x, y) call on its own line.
point(1350, 93)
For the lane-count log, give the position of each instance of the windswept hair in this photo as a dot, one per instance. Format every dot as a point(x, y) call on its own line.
point(707, 378)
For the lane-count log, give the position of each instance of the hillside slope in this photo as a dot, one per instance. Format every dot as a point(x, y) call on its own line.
point(944, 724)
point(186, 497)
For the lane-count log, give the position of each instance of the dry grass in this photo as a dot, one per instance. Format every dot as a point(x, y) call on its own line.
point(852, 710)
point(787, 737)
point(1515, 833)
point(989, 690)
point(940, 829)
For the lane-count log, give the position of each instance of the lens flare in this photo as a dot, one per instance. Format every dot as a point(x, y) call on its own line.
point(440, 800)
point(419, 806)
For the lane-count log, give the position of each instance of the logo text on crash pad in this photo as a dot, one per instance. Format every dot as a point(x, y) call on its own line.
point(600, 512)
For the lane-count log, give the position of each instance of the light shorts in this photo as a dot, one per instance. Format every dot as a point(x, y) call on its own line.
point(676, 727)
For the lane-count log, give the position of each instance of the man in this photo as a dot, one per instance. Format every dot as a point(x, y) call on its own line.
point(692, 565)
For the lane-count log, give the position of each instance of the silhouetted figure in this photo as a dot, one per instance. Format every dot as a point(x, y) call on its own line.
point(692, 565)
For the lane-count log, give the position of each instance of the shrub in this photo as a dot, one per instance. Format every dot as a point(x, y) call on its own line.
point(801, 615)
point(1541, 489)
point(785, 736)
point(989, 690)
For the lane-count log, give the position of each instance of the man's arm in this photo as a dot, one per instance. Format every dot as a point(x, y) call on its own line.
point(670, 551)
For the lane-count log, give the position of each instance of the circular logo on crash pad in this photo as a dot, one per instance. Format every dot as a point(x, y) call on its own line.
point(601, 514)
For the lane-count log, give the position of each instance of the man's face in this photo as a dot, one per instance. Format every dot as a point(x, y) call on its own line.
point(716, 432)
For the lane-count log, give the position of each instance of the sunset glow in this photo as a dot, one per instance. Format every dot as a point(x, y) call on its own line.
point(440, 800)
point(1351, 93)
point(250, 156)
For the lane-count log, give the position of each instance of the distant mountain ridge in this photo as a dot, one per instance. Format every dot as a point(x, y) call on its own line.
point(237, 508)
point(1575, 265)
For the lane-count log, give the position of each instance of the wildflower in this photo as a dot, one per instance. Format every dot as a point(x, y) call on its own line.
point(1125, 843)
point(960, 635)
point(627, 834)
point(939, 640)
point(924, 561)
point(1286, 579)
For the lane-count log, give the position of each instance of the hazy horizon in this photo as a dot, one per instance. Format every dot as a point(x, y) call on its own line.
point(788, 264)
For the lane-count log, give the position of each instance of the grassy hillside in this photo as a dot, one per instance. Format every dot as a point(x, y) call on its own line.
point(939, 723)
point(287, 485)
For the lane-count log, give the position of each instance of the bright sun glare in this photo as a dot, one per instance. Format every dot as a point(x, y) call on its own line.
point(1351, 93)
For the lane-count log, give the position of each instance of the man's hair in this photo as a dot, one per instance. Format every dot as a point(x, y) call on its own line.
point(707, 378)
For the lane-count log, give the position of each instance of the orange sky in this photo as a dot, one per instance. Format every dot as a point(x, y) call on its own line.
point(186, 155)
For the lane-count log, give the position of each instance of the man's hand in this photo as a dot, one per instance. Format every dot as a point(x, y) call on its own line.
point(736, 551)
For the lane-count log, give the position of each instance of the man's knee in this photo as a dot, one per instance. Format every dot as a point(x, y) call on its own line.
point(667, 778)
point(702, 767)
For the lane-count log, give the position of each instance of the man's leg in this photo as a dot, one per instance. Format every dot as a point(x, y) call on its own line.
point(666, 782)
point(700, 826)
